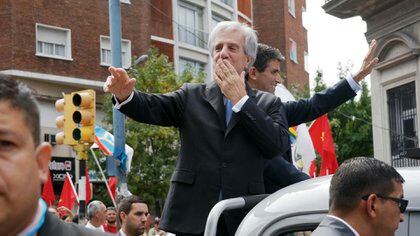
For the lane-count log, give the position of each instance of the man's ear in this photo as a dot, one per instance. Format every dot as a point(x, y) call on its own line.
point(43, 157)
point(251, 73)
point(122, 216)
point(372, 206)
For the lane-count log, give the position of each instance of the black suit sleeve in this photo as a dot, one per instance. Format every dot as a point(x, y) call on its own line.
point(305, 110)
point(267, 129)
point(156, 109)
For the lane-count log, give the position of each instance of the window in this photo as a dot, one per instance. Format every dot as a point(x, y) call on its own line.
point(402, 110)
point(305, 61)
point(292, 10)
point(190, 28)
point(293, 51)
point(215, 19)
point(53, 42)
point(227, 2)
point(185, 63)
point(106, 56)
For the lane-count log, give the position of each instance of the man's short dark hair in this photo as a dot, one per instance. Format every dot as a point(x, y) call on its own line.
point(111, 209)
point(265, 54)
point(126, 203)
point(21, 98)
point(358, 177)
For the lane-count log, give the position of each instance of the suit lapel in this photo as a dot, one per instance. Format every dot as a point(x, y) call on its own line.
point(214, 96)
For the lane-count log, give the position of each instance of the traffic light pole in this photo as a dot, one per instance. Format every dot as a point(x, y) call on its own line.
point(81, 154)
point(118, 117)
point(82, 189)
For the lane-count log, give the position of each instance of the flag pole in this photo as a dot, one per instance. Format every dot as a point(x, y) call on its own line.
point(103, 176)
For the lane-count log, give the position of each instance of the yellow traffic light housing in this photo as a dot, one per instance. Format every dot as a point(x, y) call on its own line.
point(83, 116)
point(78, 119)
point(65, 121)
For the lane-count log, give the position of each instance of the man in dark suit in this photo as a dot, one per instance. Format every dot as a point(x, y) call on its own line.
point(24, 163)
point(366, 198)
point(264, 75)
point(226, 129)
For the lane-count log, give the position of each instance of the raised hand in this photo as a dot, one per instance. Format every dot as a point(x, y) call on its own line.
point(119, 83)
point(231, 84)
point(368, 63)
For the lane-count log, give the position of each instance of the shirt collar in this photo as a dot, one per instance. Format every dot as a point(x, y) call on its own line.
point(344, 222)
point(37, 221)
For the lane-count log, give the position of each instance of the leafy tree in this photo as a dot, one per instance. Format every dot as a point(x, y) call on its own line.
point(350, 123)
point(155, 147)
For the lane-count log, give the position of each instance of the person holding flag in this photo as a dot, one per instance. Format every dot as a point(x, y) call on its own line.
point(264, 75)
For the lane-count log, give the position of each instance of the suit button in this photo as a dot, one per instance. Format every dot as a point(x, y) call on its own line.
point(224, 164)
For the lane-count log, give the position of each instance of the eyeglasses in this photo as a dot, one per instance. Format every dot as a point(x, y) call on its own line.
point(402, 203)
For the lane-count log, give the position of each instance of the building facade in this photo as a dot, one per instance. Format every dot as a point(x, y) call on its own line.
point(280, 24)
point(59, 47)
point(64, 46)
point(180, 28)
point(395, 24)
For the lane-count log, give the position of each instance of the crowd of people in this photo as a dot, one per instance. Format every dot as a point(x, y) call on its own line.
point(130, 218)
point(234, 142)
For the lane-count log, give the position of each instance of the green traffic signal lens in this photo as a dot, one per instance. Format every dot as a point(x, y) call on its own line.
point(77, 134)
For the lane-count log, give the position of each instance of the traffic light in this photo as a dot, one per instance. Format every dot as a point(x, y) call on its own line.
point(83, 116)
point(65, 121)
point(78, 120)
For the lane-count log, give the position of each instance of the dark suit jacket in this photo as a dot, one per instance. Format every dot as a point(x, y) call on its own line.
point(278, 174)
point(213, 158)
point(332, 227)
point(53, 226)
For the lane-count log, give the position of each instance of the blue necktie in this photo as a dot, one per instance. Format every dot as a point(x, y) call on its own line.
point(228, 112)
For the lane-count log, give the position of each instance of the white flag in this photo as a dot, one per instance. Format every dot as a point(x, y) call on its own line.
point(302, 148)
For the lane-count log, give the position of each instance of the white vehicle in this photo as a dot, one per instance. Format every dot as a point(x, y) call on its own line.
point(299, 208)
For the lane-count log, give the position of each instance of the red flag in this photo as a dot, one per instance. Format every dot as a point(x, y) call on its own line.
point(88, 186)
point(312, 169)
point(113, 186)
point(48, 191)
point(68, 194)
point(322, 139)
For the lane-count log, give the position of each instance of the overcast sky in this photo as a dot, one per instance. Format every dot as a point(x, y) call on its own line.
point(332, 40)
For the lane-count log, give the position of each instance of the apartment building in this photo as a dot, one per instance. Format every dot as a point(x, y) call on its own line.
point(180, 28)
point(59, 47)
point(280, 24)
point(64, 46)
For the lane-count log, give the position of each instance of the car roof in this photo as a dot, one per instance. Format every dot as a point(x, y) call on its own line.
point(312, 196)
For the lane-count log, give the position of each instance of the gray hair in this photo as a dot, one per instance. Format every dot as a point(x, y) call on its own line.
point(251, 39)
point(93, 208)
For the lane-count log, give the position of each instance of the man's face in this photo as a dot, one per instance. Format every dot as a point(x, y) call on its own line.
point(135, 221)
point(269, 78)
point(390, 215)
point(23, 168)
point(229, 45)
point(111, 216)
